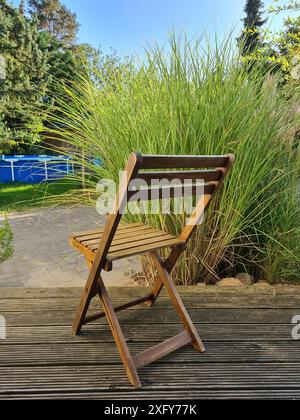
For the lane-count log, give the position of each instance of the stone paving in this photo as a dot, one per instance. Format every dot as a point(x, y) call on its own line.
point(42, 254)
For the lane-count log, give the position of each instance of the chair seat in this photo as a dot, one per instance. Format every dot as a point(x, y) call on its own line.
point(129, 240)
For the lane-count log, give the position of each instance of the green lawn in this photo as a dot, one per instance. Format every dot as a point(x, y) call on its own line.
point(16, 197)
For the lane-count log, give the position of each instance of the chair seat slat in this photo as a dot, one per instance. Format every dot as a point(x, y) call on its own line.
point(134, 239)
point(146, 234)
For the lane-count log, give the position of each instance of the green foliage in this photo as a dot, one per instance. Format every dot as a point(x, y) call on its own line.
point(37, 49)
point(24, 85)
point(280, 51)
point(198, 100)
point(289, 5)
point(6, 237)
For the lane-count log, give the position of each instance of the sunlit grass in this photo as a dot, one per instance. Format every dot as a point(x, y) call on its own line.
point(17, 197)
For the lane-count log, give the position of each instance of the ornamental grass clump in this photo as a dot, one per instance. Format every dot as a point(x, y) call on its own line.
point(197, 98)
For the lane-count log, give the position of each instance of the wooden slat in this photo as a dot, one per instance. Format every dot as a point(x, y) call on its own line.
point(93, 231)
point(119, 233)
point(182, 162)
point(162, 349)
point(160, 244)
point(171, 192)
point(130, 237)
point(137, 241)
point(205, 175)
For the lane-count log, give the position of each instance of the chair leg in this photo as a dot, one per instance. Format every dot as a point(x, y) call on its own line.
point(118, 336)
point(169, 265)
point(85, 300)
point(177, 302)
point(87, 295)
point(157, 288)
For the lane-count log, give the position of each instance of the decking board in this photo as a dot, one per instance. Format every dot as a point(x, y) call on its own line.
point(247, 332)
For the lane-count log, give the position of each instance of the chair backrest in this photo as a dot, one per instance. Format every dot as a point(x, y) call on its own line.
point(151, 170)
point(179, 172)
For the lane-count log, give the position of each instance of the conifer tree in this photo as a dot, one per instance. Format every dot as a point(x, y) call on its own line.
point(250, 39)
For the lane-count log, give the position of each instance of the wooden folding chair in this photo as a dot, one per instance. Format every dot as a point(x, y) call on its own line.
point(101, 247)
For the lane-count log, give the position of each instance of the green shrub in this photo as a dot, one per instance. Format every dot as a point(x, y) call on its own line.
point(191, 99)
point(6, 237)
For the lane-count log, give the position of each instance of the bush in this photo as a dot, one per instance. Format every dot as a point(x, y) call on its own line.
point(5, 242)
point(188, 99)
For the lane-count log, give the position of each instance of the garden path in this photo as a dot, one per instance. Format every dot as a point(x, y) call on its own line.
point(42, 254)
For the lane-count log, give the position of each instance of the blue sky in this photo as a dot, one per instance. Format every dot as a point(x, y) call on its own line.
point(128, 25)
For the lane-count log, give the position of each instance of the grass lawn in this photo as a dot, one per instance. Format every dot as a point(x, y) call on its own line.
point(17, 197)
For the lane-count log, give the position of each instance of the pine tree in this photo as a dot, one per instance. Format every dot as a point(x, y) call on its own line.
point(55, 18)
point(250, 39)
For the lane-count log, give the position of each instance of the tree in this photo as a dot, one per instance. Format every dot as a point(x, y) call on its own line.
point(250, 39)
point(55, 18)
point(289, 41)
point(280, 52)
point(23, 88)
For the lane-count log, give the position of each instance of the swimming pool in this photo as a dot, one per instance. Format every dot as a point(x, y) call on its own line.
point(34, 169)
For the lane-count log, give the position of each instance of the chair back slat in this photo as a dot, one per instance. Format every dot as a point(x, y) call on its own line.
point(183, 162)
point(204, 175)
point(171, 192)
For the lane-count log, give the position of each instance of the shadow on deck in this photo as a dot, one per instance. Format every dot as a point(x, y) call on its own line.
point(247, 333)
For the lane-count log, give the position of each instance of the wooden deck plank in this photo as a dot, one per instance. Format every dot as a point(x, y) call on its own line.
point(200, 301)
point(198, 291)
point(149, 395)
point(165, 315)
point(240, 376)
point(90, 354)
point(144, 332)
point(247, 333)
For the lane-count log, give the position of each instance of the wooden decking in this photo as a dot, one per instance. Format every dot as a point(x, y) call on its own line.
point(247, 332)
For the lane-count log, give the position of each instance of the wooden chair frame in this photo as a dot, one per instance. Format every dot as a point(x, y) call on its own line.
point(95, 285)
